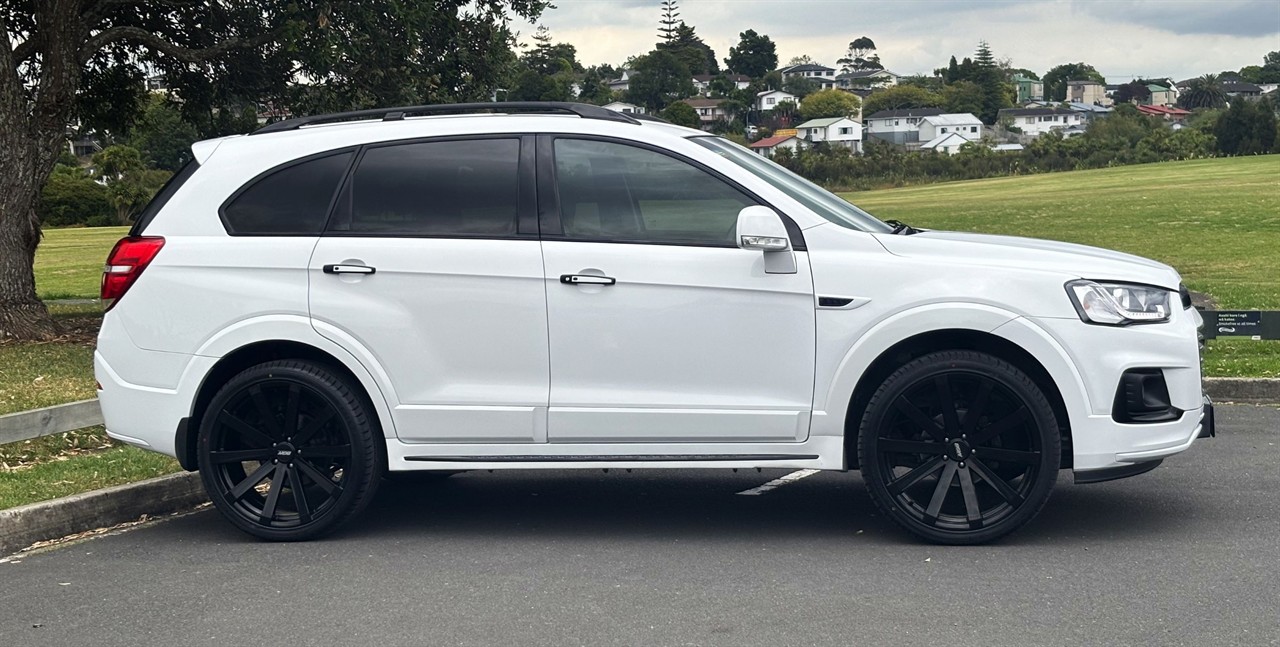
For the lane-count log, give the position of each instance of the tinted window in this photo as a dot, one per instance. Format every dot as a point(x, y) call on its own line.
point(456, 188)
point(293, 200)
point(622, 193)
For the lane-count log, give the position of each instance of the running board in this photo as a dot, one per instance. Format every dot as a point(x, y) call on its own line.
point(635, 458)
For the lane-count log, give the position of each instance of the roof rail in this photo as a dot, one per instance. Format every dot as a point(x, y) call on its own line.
point(586, 111)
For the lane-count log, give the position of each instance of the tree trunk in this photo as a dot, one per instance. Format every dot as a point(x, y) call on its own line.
point(22, 315)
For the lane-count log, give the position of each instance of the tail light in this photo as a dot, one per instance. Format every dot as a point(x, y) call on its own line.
point(128, 259)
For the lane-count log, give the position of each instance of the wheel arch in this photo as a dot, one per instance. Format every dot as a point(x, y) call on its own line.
point(952, 339)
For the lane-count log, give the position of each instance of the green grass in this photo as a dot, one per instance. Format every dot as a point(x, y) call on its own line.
point(42, 375)
point(68, 475)
point(69, 261)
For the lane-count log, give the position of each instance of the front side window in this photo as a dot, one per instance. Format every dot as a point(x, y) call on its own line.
point(444, 188)
point(293, 200)
point(619, 193)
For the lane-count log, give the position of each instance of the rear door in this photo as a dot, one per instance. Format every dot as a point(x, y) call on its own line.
point(431, 269)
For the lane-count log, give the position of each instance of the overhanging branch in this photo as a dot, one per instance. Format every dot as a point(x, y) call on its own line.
point(151, 40)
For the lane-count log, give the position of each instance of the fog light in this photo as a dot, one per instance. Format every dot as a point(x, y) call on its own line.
point(1143, 396)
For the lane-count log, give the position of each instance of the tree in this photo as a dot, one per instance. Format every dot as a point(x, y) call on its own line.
point(997, 92)
point(1247, 128)
point(549, 58)
point(1203, 92)
point(689, 48)
point(963, 96)
point(1133, 91)
point(801, 86)
point(803, 59)
point(71, 197)
point(61, 57)
point(659, 79)
point(1055, 80)
point(682, 114)
point(594, 84)
point(667, 25)
point(130, 184)
point(531, 85)
point(900, 97)
point(162, 136)
point(830, 103)
point(1268, 72)
point(755, 55)
point(860, 56)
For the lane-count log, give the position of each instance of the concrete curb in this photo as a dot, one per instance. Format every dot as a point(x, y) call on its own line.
point(22, 526)
point(1252, 390)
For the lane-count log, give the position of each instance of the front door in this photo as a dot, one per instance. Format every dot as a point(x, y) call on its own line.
point(661, 328)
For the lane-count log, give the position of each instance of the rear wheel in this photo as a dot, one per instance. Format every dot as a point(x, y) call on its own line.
point(289, 451)
point(959, 447)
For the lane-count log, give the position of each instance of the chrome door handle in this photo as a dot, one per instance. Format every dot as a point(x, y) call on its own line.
point(586, 279)
point(349, 269)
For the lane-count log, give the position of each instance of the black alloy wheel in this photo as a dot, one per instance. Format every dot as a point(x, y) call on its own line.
point(959, 447)
point(289, 451)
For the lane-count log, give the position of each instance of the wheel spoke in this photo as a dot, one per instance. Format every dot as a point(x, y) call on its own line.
point(250, 481)
point(315, 425)
point(246, 430)
point(299, 496)
point(971, 510)
point(894, 445)
point(325, 482)
point(273, 494)
point(999, 427)
point(950, 418)
point(291, 411)
point(899, 485)
point(336, 451)
point(1010, 456)
point(998, 484)
point(977, 408)
point(925, 423)
point(239, 455)
point(264, 411)
point(940, 493)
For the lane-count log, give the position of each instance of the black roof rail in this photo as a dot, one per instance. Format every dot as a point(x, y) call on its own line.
point(584, 110)
point(643, 117)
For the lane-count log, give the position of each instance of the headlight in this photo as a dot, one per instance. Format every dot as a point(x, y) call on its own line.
point(1119, 304)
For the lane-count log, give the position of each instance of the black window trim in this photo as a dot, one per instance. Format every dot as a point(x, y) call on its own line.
point(549, 194)
point(222, 209)
point(526, 200)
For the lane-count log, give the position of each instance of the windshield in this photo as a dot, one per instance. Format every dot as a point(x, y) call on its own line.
point(817, 199)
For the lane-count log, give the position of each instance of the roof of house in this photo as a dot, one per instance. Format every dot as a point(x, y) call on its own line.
point(954, 119)
point(1240, 86)
point(623, 104)
point(1007, 147)
point(703, 103)
point(909, 112)
point(1035, 112)
point(1018, 78)
point(770, 142)
point(1164, 111)
point(945, 139)
point(864, 74)
point(761, 94)
point(1083, 82)
point(1156, 88)
point(1088, 107)
point(806, 67)
point(736, 78)
point(823, 123)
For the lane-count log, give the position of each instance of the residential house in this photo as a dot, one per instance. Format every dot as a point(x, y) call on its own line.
point(866, 79)
point(821, 74)
point(1161, 95)
point(702, 82)
point(708, 110)
point(1008, 148)
point(1089, 111)
point(766, 147)
point(934, 126)
point(838, 131)
point(898, 126)
point(1087, 92)
point(624, 107)
point(769, 99)
point(1029, 89)
point(1168, 113)
point(949, 143)
point(1242, 89)
point(1038, 121)
point(622, 83)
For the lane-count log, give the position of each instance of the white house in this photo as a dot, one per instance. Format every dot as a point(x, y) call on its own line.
point(769, 99)
point(622, 83)
point(967, 125)
point(867, 79)
point(1038, 121)
point(624, 107)
point(898, 126)
point(708, 110)
point(949, 143)
point(812, 71)
point(839, 131)
point(768, 145)
point(702, 82)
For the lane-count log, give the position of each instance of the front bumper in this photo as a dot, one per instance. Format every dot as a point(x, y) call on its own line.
point(1133, 463)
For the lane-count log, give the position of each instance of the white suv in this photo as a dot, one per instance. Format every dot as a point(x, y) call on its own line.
point(302, 310)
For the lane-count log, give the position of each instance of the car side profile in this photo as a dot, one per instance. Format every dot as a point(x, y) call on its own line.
point(307, 309)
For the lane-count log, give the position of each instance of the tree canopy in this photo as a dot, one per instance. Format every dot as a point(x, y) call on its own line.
point(1055, 80)
point(900, 97)
point(830, 103)
point(860, 55)
point(660, 78)
point(686, 45)
point(755, 55)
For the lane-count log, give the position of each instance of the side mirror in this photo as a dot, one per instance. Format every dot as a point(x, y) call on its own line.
point(761, 229)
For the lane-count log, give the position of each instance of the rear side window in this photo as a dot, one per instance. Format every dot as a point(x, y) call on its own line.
point(444, 188)
point(162, 197)
point(293, 200)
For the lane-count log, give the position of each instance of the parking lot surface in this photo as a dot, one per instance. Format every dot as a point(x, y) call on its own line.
point(1186, 554)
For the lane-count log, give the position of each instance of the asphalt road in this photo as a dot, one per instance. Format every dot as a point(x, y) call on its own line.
point(1187, 554)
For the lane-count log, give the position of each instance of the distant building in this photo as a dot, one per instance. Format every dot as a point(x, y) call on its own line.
point(702, 82)
point(838, 131)
point(900, 127)
point(1029, 89)
point(811, 71)
point(949, 143)
point(622, 83)
point(767, 146)
point(1038, 121)
point(1087, 92)
point(965, 124)
point(769, 99)
point(1161, 95)
point(708, 110)
point(624, 107)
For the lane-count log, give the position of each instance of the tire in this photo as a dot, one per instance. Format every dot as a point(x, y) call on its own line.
point(289, 451)
point(966, 472)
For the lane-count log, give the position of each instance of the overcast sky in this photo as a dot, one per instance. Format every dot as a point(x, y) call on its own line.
point(1122, 39)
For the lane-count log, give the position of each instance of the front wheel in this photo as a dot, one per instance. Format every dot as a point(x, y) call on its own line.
point(288, 450)
point(959, 447)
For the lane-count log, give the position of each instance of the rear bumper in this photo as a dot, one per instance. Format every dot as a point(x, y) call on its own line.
point(146, 416)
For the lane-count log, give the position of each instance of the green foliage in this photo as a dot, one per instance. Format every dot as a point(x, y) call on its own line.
point(900, 97)
point(692, 51)
point(1055, 80)
point(829, 103)
point(71, 197)
point(130, 184)
point(1203, 92)
point(550, 58)
point(668, 24)
point(963, 96)
point(681, 114)
point(660, 78)
point(801, 86)
point(594, 84)
point(930, 83)
point(860, 55)
point(161, 135)
point(754, 56)
point(1268, 72)
point(1247, 128)
point(1133, 91)
point(532, 85)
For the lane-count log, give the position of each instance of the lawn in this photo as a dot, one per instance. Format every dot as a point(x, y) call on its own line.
point(69, 261)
